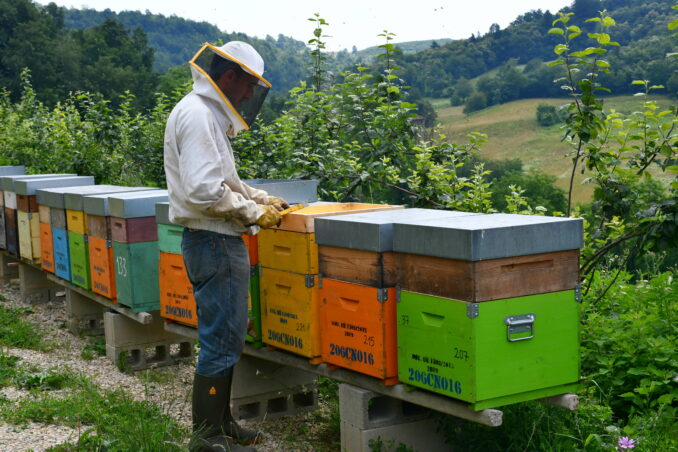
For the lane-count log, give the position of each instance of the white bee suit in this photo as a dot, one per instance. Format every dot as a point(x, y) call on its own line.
point(205, 190)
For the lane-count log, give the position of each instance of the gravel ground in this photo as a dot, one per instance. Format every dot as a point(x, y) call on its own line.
point(292, 433)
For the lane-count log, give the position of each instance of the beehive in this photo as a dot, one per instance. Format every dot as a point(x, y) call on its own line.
point(489, 354)
point(358, 328)
point(289, 311)
point(176, 291)
point(101, 267)
point(136, 275)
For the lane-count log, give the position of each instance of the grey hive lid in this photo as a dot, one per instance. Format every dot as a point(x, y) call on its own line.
point(482, 237)
point(7, 182)
point(74, 199)
point(29, 187)
point(162, 213)
point(371, 231)
point(56, 197)
point(135, 204)
point(293, 191)
point(100, 204)
point(12, 170)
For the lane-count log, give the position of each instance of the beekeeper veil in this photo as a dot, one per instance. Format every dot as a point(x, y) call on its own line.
point(245, 95)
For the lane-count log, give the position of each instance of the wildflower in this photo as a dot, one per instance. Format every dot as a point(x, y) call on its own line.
point(626, 443)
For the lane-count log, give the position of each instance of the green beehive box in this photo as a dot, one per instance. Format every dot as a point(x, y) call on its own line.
point(254, 308)
point(136, 275)
point(493, 353)
point(169, 238)
point(79, 254)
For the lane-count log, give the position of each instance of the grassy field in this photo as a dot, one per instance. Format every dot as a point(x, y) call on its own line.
point(513, 132)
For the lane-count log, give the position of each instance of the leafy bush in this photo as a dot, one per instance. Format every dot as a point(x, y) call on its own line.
point(547, 115)
point(474, 102)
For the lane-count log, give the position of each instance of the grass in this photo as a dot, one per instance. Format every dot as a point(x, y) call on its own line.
point(513, 132)
point(16, 332)
point(95, 347)
point(107, 420)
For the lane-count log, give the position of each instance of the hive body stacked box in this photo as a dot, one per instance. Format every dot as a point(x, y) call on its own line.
point(488, 311)
point(135, 248)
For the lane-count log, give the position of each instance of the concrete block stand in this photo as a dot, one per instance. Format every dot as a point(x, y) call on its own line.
point(135, 346)
point(266, 390)
point(34, 287)
point(368, 419)
point(85, 316)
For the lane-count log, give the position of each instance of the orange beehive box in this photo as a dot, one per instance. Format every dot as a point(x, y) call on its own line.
point(176, 292)
point(358, 328)
point(101, 267)
point(46, 247)
point(252, 244)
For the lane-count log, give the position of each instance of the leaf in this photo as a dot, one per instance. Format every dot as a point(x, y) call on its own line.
point(673, 24)
point(559, 49)
point(602, 63)
point(556, 31)
point(639, 82)
point(555, 63)
point(608, 21)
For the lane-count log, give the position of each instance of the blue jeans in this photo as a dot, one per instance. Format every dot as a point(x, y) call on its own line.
point(218, 267)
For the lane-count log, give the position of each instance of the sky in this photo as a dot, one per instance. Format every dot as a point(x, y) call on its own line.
point(351, 22)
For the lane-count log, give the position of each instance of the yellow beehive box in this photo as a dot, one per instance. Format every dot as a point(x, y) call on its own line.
point(76, 221)
point(286, 250)
point(29, 235)
point(290, 312)
point(302, 220)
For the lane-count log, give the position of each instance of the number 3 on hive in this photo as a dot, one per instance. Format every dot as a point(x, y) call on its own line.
point(121, 264)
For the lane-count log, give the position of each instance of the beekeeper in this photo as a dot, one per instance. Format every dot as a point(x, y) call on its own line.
point(216, 207)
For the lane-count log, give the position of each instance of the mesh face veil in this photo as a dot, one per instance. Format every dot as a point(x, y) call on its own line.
point(247, 93)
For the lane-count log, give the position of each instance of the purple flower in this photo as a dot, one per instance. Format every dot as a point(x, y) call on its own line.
point(626, 443)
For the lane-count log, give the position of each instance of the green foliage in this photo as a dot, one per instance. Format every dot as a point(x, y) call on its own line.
point(628, 343)
point(106, 58)
point(641, 31)
point(547, 115)
point(175, 40)
point(17, 332)
point(474, 102)
point(617, 151)
point(8, 368)
point(95, 347)
point(85, 134)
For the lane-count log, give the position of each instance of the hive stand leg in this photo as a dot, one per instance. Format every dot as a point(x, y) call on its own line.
point(266, 390)
point(34, 287)
point(135, 346)
point(85, 316)
point(369, 419)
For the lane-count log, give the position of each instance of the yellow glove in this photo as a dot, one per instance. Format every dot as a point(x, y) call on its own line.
point(277, 202)
point(270, 218)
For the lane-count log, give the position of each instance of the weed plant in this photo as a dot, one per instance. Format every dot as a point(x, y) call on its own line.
point(17, 332)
